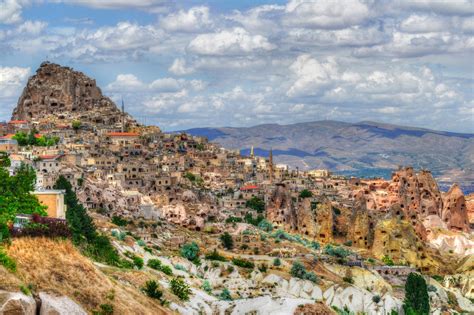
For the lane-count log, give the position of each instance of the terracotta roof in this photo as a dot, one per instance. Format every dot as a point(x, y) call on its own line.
point(13, 122)
point(123, 134)
point(249, 187)
point(8, 136)
point(49, 157)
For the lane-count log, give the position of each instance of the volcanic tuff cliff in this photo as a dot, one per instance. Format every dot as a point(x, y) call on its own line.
point(60, 93)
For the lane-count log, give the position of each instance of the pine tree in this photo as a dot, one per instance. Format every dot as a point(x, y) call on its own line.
point(417, 300)
point(227, 241)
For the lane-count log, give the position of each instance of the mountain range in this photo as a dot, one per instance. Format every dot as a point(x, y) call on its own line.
point(364, 148)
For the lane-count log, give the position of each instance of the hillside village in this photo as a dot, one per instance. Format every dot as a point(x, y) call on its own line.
point(247, 220)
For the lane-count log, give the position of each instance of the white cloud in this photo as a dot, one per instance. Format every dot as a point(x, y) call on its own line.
point(10, 11)
point(12, 79)
point(451, 7)
point(312, 76)
point(229, 42)
point(194, 20)
point(326, 14)
point(179, 67)
point(424, 24)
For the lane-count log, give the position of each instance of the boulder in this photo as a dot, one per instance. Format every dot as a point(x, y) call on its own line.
point(59, 305)
point(15, 303)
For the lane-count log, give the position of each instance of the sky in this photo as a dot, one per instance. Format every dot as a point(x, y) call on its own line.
point(186, 64)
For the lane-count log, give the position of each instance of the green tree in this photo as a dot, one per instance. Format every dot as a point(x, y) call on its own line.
point(16, 197)
point(152, 290)
point(190, 251)
point(305, 193)
point(256, 204)
point(417, 300)
point(4, 159)
point(84, 233)
point(227, 241)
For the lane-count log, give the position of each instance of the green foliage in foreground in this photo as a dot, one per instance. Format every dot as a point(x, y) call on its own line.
point(84, 232)
point(180, 289)
point(7, 261)
point(417, 300)
point(157, 265)
point(255, 203)
point(15, 197)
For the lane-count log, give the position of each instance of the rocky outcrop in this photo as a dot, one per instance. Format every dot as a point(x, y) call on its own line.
point(14, 303)
point(280, 209)
point(470, 207)
point(57, 92)
point(359, 229)
point(397, 239)
point(59, 305)
point(314, 309)
point(310, 218)
point(454, 212)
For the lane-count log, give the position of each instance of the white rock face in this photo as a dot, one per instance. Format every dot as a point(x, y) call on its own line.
point(263, 305)
point(294, 288)
point(59, 305)
point(17, 303)
point(458, 243)
point(360, 300)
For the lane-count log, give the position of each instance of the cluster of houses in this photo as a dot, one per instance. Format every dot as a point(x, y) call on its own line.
point(137, 172)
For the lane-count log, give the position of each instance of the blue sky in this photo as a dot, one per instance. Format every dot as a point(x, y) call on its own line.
point(242, 63)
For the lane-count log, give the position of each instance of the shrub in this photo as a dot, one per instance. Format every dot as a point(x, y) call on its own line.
point(180, 289)
point(233, 220)
point(416, 295)
point(151, 289)
point(7, 261)
point(179, 267)
point(167, 270)
point(227, 241)
point(305, 193)
point(276, 262)
point(138, 262)
point(388, 261)
point(263, 268)
point(157, 265)
point(336, 251)
point(154, 264)
point(214, 255)
point(311, 276)
point(265, 225)
point(206, 286)
point(225, 295)
point(298, 270)
point(438, 278)
point(104, 309)
point(376, 299)
point(119, 221)
point(254, 221)
point(348, 280)
point(190, 251)
point(243, 263)
point(348, 243)
point(141, 243)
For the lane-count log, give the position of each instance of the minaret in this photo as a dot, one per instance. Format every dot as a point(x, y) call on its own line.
point(252, 155)
point(270, 166)
point(123, 116)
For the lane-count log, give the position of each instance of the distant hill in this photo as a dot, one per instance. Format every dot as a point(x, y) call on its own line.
point(364, 148)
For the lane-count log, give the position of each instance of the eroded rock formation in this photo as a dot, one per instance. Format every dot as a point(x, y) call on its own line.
point(454, 212)
point(62, 93)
